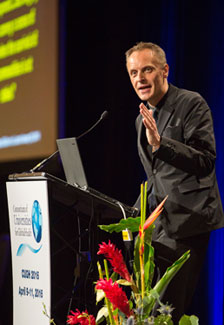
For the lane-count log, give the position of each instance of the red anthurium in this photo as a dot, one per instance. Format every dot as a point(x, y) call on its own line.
point(115, 294)
point(116, 259)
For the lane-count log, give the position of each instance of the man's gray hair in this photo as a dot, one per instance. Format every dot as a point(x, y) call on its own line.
point(157, 50)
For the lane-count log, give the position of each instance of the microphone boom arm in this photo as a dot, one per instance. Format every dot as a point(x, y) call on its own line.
point(43, 162)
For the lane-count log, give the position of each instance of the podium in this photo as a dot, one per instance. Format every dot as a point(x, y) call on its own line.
point(54, 240)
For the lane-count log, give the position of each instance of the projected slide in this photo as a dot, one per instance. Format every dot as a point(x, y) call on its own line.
point(28, 78)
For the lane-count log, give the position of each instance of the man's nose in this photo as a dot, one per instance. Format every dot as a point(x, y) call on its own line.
point(140, 76)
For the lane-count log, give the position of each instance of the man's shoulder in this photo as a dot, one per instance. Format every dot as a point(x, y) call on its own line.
point(185, 100)
point(184, 94)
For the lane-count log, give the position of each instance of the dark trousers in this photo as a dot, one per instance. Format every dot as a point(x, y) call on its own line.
point(180, 291)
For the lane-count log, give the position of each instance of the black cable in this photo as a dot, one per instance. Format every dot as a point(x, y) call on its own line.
point(91, 253)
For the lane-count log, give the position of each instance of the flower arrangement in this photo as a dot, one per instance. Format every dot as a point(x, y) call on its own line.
point(118, 308)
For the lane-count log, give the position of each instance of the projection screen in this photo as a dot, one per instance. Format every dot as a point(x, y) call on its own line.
point(28, 78)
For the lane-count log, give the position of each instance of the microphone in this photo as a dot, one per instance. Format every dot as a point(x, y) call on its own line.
point(43, 162)
point(102, 117)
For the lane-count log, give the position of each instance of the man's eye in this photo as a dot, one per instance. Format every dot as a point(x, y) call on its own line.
point(133, 73)
point(148, 69)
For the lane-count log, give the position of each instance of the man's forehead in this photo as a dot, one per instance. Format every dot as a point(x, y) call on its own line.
point(141, 58)
point(143, 53)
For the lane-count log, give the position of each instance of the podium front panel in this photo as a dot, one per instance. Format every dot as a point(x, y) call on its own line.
point(30, 247)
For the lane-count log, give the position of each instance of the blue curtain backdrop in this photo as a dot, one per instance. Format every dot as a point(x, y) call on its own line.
point(215, 260)
point(97, 35)
point(210, 42)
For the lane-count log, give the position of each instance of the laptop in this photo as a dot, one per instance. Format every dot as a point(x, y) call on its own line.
point(72, 163)
point(75, 174)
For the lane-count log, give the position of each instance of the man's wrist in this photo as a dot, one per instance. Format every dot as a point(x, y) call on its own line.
point(156, 145)
point(155, 148)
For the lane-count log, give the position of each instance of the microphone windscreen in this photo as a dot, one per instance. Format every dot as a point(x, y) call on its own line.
point(104, 115)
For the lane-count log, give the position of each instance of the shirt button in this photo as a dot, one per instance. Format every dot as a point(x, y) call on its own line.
point(154, 171)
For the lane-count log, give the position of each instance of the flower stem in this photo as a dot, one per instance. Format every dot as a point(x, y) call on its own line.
point(142, 206)
point(106, 269)
point(141, 260)
point(99, 270)
point(141, 246)
point(108, 303)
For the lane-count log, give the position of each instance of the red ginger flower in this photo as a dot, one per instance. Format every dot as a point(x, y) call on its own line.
point(82, 318)
point(115, 294)
point(116, 259)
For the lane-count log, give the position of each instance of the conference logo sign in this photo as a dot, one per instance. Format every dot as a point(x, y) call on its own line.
point(36, 221)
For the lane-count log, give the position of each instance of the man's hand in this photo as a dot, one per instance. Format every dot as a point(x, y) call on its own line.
point(152, 134)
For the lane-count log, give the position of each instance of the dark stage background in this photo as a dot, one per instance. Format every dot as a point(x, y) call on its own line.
point(94, 36)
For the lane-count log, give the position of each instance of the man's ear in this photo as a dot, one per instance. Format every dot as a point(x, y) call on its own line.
point(166, 71)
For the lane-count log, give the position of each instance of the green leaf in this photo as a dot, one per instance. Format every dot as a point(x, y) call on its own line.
point(148, 235)
point(189, 320)
point(130, 223)
point(138, 280)
point(148, 304)
point(114, 276)
point(136, 263)
point(102, 314)
point(149, 268)
point(115, 312)
point(167, 277)
point(154, 294)
point(123, 282)
point(163, 320)
point(171, 271)
point(148, 258)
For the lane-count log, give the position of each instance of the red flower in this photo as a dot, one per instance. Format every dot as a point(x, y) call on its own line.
point(82, 318)
point(115, 294)
point(116, 259)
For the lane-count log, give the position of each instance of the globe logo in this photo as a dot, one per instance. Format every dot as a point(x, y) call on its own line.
point(37, 221)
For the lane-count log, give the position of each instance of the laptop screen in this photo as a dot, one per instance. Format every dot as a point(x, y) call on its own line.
point(72, 163)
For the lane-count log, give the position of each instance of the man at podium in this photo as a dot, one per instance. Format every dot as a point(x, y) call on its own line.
point(176, 145)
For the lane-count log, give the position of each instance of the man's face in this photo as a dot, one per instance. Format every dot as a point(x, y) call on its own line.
point(148, 76)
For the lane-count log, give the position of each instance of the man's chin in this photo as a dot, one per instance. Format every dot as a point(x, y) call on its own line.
point(144, 98)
